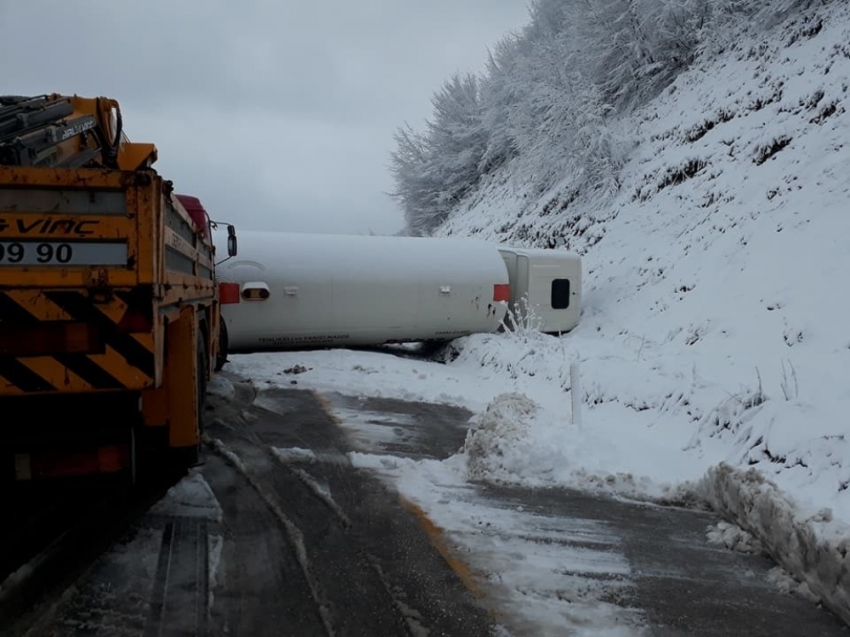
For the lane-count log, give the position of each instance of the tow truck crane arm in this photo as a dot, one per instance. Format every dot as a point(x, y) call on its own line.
point(68, 132)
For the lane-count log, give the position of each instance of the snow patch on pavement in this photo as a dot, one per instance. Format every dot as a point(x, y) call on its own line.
point(733, 537)
point(788, 584)
point(221, 387)
point(552, 575)
point(216, 546)
point(191, 497)
point(294, 454)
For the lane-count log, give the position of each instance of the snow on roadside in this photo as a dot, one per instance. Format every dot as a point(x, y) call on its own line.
point(544, 575)
point(633, 442)
point(370, 373)
point(733, 537)
point(295, 454)
point(807, 543)
point(221, 387)
point(191, 497)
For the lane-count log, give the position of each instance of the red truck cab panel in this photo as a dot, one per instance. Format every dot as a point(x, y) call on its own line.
point(197, 212)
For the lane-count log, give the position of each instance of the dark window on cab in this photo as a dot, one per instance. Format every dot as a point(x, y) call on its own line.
point(560, 294)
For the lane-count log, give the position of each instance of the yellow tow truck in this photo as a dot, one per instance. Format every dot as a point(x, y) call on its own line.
point(109, 304)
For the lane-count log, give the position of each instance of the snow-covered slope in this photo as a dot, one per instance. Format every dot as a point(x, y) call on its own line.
point(716, 290)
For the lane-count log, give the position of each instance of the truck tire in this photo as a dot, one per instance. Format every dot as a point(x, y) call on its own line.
point(223, 344)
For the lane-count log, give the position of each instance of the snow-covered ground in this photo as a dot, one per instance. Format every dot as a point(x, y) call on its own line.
point(522, 433)
point(714, 346)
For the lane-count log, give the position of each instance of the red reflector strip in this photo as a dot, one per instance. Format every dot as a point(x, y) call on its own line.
point(106, 459)
point(50, 338)
point(501, 292)
point(228, 293)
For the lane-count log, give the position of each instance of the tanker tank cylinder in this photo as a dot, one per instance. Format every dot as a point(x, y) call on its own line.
point(306, 291)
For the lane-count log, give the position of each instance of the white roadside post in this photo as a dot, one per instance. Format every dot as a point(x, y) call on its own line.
point(575, 393)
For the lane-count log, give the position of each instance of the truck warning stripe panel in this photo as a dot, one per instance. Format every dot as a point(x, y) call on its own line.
point(21, 377)
point(48, 367)
point(64, 341)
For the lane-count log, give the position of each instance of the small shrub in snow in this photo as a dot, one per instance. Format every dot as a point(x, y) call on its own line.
point(522, 319)
point(730, 415)
point(766, 151)
point(827, 111)
point(790, 388)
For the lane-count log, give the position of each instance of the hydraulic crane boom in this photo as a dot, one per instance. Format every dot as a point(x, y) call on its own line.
point(56, 131)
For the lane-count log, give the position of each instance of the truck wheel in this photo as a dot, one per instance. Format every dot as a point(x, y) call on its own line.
point(221, 359)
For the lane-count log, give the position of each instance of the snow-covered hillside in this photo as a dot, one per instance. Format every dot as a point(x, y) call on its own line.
point(716, 293)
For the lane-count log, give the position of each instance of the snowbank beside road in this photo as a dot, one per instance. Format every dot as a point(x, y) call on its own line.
point(648, 431)
point(809, 544)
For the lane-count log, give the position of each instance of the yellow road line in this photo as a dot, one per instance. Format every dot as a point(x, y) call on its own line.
point(327, 406)
point(438, 540)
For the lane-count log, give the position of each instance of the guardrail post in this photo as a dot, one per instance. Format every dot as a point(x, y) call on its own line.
point(575, 393)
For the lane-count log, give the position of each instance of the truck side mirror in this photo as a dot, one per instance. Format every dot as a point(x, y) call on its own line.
point(231, 241)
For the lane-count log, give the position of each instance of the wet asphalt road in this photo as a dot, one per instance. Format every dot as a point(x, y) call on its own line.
point(309, 545)
point(682, 585)
point(366, 567)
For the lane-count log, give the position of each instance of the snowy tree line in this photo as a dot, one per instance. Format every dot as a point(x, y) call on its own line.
point(552, 92)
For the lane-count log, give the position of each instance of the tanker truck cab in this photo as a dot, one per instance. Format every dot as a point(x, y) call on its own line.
point(545, 288)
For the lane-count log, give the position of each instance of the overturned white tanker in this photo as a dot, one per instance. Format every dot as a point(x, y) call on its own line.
point(298, 291)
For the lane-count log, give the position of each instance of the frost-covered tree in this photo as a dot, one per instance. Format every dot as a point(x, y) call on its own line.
point(415, 191)
point(634, 47)
point(499, 94)
point(435, 169)
point(456, 136)
point(552, 93)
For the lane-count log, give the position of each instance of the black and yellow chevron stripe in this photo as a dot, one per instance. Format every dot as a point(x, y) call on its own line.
point(124, 360)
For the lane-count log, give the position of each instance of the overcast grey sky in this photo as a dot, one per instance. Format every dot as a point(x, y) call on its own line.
point(278, 115)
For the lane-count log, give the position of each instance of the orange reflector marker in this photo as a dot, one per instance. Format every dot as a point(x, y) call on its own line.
point(105, 459)
point(134, 321)
point(501, 292)
point(49, 338)
point(57, 464)
point(228, 293)
point(111, 459)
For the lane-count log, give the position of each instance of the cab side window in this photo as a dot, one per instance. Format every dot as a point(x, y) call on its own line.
point(560, 294)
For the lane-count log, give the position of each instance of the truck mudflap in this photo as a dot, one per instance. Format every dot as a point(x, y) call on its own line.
point(73, 341)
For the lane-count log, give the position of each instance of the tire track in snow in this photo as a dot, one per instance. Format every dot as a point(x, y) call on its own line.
point(296, 537)
point(356, 563)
